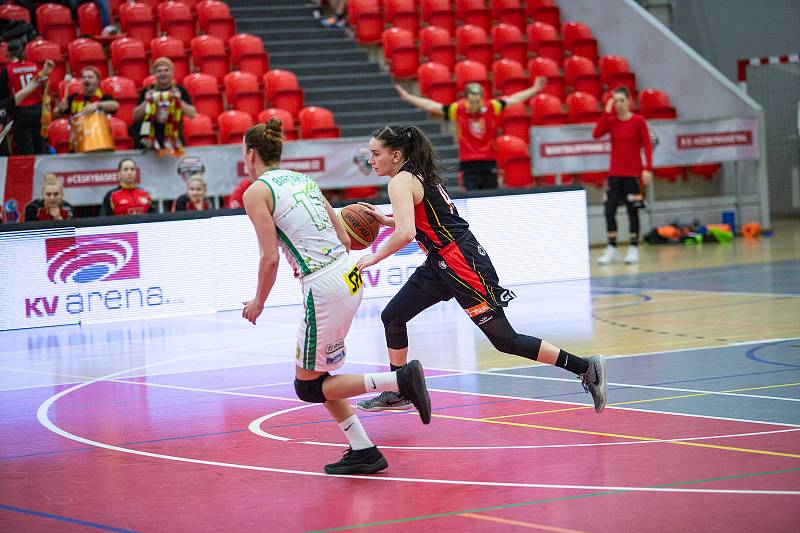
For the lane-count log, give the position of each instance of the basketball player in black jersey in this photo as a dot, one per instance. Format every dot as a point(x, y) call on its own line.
point(457, 266)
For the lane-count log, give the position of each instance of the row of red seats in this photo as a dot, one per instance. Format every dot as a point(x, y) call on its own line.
point(137, 20)
point(315, 123)
point(129, 57)
point(242, 93)
point(370, 17)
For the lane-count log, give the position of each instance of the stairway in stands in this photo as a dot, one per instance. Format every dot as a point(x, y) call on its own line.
point(336, 73)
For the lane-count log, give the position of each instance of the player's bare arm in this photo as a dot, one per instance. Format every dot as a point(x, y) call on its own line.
point(338, 226)
point(257, 205)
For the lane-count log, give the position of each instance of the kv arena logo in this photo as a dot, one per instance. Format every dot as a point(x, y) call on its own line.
point(396, 275)
point(91, 259)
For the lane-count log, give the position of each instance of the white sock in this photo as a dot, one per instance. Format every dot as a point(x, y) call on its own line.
point(355, 433)
point(381, 381)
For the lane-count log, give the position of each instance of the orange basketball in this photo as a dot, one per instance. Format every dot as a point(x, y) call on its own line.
point(360, 225)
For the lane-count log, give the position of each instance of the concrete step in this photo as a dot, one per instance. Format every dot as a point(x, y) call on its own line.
point(346, 93)
point(365, 104)
point(364, 128)
point(288, 59)
point(344, 80)
point(280, 47)
point(254, 9)
point(289, 33)
point(323, 69)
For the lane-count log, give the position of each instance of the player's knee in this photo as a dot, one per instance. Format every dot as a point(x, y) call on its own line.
point(310, 390)
point(395, 326)
point(503, 342)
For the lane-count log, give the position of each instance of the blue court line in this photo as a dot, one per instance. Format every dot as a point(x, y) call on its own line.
point(751, 354)
point(63, 519)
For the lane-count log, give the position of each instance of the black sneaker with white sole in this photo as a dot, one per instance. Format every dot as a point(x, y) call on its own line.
point(594, 382)
point(366, 461)
point(411, 382)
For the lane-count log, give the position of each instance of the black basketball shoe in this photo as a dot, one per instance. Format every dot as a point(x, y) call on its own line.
point(411, 382)
point(366, 461)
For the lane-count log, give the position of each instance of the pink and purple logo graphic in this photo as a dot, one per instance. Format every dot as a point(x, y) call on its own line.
point(88, 258)
point(385, 233)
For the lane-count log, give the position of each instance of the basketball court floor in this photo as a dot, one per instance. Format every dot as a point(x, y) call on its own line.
point(191, 424)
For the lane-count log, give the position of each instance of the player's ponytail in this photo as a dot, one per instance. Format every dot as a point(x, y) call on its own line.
point(420, 158)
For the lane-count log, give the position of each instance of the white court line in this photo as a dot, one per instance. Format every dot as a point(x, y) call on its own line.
point(196, 389)
point(654, 387)
point(255, 427)
point(43, 418)
point(635, 290)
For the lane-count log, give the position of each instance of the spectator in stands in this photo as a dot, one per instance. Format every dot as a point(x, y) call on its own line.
point(28, 113)
point(337, 18)
point(158, 116)
point(234, 201)
point(90, 100)
point(51, 206)
point(8, 105)
point(476, 120)
point(195, 197)
point(629, 136)
point(128, 198)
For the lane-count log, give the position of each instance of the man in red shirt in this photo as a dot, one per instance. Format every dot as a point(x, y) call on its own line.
point(629, 136)
point(27, 117)
point(476, 119)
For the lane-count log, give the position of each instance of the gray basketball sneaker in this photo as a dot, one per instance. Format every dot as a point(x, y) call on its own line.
point(385, 401)
point(594, 382)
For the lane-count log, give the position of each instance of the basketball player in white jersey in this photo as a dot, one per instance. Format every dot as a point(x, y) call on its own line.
point(288, 210)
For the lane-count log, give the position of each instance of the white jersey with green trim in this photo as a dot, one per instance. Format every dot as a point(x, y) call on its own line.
point(305, 230)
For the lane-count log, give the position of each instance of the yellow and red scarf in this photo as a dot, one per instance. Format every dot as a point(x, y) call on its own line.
point(79, 101)
point(162, 109)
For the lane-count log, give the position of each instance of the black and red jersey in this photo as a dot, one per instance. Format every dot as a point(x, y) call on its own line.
point(436, 218)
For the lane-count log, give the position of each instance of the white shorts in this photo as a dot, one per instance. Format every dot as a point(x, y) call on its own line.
point(331, 298)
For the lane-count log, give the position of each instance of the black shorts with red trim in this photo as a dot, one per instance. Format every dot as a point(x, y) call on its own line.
point(464, 271)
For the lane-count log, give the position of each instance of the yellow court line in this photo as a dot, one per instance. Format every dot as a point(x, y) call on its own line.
point(527, 525)
point(641, 401)
point(615, 435)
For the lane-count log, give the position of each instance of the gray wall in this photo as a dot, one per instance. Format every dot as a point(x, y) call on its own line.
point(724, 31)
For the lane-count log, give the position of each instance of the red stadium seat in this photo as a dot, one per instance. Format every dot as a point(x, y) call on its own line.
point(199, 131)
point(124, 91)
point(510, 12)
point(598, 179)
point(515, 121)
point(400, 51)
point(119, 131)
point(40, 50)
point(579, 41)
point(541, 66)
point(509, 77)
point(283, 91)
point(436, 82)
point(437, 45)
point(357, 193)
point(473, 44)
point(402, 14)
point(544, 11)
point(439, 13)
point(215, 19)
point(87, 53)
point(243, 93)
point(129, 59)
point(176, 20)
point(582, 108)
point(89, 21)
point(248, 55)
point(286, 118)
point(543, 40)
point(708, 171)
point(474, 12)
point(232, 126)
point(15, 12)
point(58, 135)
point(547, 110)
point(204, 90)
point(54, 23)
point(472, 72)
point(138, 22)
point(148, 81)
point(208, 54)
point(74, 86)
point(172, 48)
point(508, 43)
point(615, 72)
point(581, 74)
point(655, 104)
point(514, 160)
point(366, 18)
point(317, 123)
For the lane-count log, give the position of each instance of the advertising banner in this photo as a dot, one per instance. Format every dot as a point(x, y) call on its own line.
point(570, 149)
point(126, 272)
point(333, 163)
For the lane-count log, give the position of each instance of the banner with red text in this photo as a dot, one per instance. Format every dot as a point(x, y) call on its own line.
point(570, 149)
